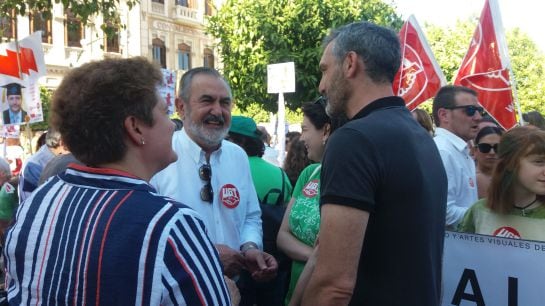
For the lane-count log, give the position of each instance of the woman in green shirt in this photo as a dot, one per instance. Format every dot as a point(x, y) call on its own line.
point(515, 205)
point(301, 222)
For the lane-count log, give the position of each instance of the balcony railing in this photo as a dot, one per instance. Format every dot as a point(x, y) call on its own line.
point(183, 13)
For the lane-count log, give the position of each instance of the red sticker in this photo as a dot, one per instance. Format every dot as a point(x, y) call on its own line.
point(471, 182)
point(507, 232)
point(311, 189)
point(229, 196)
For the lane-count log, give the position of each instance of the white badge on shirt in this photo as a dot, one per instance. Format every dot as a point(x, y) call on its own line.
point(311, 189)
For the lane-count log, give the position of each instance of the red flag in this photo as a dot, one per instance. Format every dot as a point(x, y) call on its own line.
point(31, 59)
point(485, 67)
point(419, 77)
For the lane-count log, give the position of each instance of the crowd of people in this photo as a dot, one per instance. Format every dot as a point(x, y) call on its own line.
point(122, 205)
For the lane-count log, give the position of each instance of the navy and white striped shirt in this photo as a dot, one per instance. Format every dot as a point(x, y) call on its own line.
point(103, 237)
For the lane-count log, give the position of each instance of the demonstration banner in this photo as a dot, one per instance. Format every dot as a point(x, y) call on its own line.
point(21, 64)
point(485, 67)
point(167, 89)
point(483, 270)
point(419, 77)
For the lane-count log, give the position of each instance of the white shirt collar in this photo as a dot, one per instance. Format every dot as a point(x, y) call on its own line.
point(194, 151)
point(457, 142)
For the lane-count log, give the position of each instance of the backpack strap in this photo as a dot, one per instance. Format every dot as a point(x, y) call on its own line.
point(280, 199)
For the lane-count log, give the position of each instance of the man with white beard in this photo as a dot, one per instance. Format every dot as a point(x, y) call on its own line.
point(213, 176)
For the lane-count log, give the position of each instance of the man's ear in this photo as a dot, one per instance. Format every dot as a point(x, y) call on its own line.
point(327, 132)
point(350, 64)
point(443, 116)
point(179, 107)
point(132, 128)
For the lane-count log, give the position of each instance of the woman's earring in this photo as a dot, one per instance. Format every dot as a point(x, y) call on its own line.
point(142, 141)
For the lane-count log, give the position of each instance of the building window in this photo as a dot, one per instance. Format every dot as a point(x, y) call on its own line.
point(208, 58)
point(159, 52)
point(8, 26)
point(184, 57)
point(182, 3)
point(111, 39)
point(208, 9)
point(73, 30)
point(39, 22)
point(158, 1)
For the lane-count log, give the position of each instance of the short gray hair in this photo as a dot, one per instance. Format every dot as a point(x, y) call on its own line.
point(378, 47)
point(187, 80)
point(52, 138)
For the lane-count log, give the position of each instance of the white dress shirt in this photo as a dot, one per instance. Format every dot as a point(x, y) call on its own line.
point(460, 168)
point(234, 217)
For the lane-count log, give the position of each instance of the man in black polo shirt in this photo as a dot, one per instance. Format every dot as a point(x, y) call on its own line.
point(383, 185)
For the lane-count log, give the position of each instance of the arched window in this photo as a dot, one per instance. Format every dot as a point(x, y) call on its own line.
point(182, 3)
point(159, 52)
point(73, 30)
point(39, 22)
point(8, 26)
point(208, 58)
point(184, 57)
point(111, 37)
point(208, 8)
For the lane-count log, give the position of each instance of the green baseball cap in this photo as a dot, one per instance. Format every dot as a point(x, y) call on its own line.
point(244, 126)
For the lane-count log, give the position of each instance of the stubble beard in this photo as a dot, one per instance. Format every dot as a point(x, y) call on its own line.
point(337, 96)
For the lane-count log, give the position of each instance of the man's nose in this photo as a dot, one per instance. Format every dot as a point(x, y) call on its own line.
point(216, 108)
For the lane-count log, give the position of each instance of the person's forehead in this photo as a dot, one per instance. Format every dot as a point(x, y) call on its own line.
point(465, 98)
point(209, 84)
point(328, 52)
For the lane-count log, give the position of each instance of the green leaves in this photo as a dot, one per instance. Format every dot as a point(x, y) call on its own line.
point(255, 33)
point(82, 10)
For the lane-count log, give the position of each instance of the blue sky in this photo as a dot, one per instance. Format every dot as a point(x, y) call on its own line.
point(524, 14)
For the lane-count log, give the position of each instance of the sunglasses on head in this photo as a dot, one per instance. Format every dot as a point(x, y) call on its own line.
point(205, 173)
point(470, 110)
point(321, 101)
point(486, 147)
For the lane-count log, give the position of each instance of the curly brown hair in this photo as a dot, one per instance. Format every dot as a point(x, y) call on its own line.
point(92, 102)
point(296, 159)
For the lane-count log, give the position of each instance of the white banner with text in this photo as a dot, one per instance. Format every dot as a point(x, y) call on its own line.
point(483, 270)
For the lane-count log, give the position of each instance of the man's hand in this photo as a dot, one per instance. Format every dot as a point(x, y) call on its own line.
point(231, 259)
point(262, 266)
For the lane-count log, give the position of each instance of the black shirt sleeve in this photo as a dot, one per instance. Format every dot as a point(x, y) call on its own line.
point(350, 172)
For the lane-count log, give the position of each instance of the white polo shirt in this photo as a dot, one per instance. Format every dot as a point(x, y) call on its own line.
point(461, 175)
point(234, 217)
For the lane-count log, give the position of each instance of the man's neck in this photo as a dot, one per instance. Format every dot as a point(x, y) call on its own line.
point(365, 95)
point(207, 148)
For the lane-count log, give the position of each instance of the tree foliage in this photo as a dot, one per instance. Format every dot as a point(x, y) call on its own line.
point(254, 33)
point(82, 10)
point(450, 44)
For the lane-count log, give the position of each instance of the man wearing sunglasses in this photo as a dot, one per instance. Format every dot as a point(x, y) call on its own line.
point(457, 113)
point(213, 177)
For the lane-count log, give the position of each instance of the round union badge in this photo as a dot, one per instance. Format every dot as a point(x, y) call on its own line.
point(311, 189)
point(507, 232)
point(229, 196)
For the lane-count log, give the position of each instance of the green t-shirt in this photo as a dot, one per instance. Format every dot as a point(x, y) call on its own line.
point(267, 176)
point(8, 201)
point(304, 216)
point(528, 224)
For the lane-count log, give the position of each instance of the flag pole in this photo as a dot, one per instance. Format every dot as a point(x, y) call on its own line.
point(515, 95)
